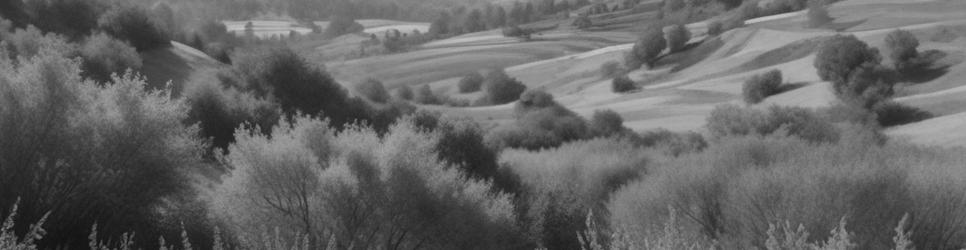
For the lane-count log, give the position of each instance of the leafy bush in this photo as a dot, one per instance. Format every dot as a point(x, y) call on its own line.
point(622, 84)
point(500, 88)
point(561, 185)
point(610, 69)
point(104, 55)
point(759, 87)
point(731, 120)
point(135, 25)
point(854, 70)
point(425, 95)
point(677, 37)
point(672, 144)
point(72, 145)
point(902, 46)
point(646, 49)
point(353, 188)
point(404, 93)
point(735, 189)
point(29, 42)
point(606, 123)
point(817, 14)
point(373, 90)
point(471, 83)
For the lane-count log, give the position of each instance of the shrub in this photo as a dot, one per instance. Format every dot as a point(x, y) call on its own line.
point(610, 69)
point(425, 95)
point(104, 55)
point(500, 88)
point(280, 74)
point(677, 37)
point(583, 22)
point(540, 123)
point(902, 46)
point(759, 87)
point(341, 25)
point(373, 90)
point(732, 192)
point(606, 123)
point(404, 93)
point(29, 42)
point(135, 25)
point(471, 83)
point(516, 31)
point(622, 84)
point(646, 49)
point(672, 144)
point(817, 14)
point(853, 68)
point(715, 28)
point(561, 185)
point(356, 189)
point(731, 120)
point(72, 145)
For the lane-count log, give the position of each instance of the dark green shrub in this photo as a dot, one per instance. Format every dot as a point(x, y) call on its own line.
point(677, 37)
point(500, 88)
point(540, 123)
point(759, 87)
point(854, 70)
point(583, 22)
point(606, 123)
point(373, 90)
point(672, 144)
point(341, 25)
point(135, 25)
point(104, 55)
point(622, 84)
point(471, 83)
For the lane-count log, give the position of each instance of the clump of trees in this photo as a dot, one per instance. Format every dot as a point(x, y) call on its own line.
point(583, 22)
point(103, 55)
point(540, 123)
point(759, 87)
point(135, 25)
point(854, 70)
point(646, 50)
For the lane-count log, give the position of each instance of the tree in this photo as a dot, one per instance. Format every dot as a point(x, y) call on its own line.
point(759, 87)
point(677, 37)
point(135, 25)
point(840, 55)
point(404, 93)
point(471, 83)
point(646, 49)
point(425, 95)
point(499, 17)
point(715, 28)
point(104, 55)
point(440, 26)
point(817, 14)
point(606, 123)
point(903, 48)
point(373, 90)
point(342, 24)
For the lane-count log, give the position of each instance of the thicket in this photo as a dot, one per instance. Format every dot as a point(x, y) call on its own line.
point(500, 88)
point(540, 123)
point(903, 51)
point(622, 84)
point(646, 49)
point(730, 120)
point(103, 55)
point(135, 25)
point(471, 83)
point(854, 70)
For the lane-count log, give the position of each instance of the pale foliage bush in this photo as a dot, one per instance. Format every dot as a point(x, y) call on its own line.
point(730, 120)
point(356, 189)
point(560, 185)
point(734, 191)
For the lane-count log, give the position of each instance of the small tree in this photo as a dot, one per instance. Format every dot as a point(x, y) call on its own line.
point(839, 56)
point(759, 87)
point(425, 95)
point(500, 88)
point(373, 90)
point(622, 84)
point(677, 37)
point(583, 22)
point(606, 123)
point(404, 92)
point(471, 83)
point(646, 49)
point(902, 48)
point(817, 14)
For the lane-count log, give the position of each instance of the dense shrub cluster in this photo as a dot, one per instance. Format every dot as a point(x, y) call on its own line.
point(117, 155)
point(404, 93)
point(103, 55)
point(737, 189)
point(559, 186)
point(355, 188)
point(759, 87)
point(672, 144)
point(540, 123)
point(730, 120)
point(622, 84)
point(219, 109)
point(854, 70)
point(903, 49)
point(500, 88)
point(471, 83)
point(135, 25)
point(373, 90)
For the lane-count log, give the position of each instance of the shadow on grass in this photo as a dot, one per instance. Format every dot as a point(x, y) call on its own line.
point(927, 70)
point(894, 114)
point(843, 26)
point(790, 86)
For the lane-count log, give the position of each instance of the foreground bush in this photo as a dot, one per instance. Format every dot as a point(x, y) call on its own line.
point(561, 185)
point(738, 188)
point(104, 55)
point(759, 87)
point(353, 188)
point(731, 120)
point(79, 151)
point(135, 25)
